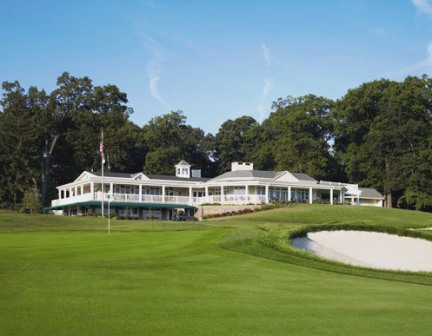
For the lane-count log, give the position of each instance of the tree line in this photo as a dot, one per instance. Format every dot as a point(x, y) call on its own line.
point(377, 135)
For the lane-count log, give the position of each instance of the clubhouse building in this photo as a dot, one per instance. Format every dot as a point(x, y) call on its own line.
point(161, 197)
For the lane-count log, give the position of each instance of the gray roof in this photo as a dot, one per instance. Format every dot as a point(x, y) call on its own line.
point(152, 177)
point(247, 173)
point(110, 174)
point(176, 178)
point(261, 174)
point(370, 193)
point(183, 163)
point(303, 177)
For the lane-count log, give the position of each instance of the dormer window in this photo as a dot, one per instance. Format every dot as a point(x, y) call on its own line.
point(183, 169)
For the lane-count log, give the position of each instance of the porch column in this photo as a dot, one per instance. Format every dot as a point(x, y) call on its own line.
point(190, 195)
point(310, 195)
point(331, 196)
point(206, 195)
point(92, 190)
point(140, 192)
point(59, 194)
point(247, 193)
point(111, 190)
point(289, 194)
point(82, 189)
point(163, 194)
point(222, 194)
point(267, 193)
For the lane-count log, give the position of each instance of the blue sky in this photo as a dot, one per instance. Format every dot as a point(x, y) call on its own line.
point(215, 60)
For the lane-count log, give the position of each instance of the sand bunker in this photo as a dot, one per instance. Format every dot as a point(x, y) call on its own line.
point(369, 249)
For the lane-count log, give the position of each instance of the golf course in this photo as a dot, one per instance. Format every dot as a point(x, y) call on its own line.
point(237, 275)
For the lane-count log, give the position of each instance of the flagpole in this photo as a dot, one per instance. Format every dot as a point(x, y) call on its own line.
point(102, 164)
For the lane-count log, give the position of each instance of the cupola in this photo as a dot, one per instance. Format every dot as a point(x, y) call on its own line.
point(183, 169)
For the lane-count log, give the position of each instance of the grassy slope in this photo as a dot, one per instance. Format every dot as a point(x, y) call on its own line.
point(66, 276)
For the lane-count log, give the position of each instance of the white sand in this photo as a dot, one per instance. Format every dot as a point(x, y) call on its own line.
point(370, 249)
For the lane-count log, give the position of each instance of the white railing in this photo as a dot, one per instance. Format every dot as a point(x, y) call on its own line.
point(231, 199)
point(119, 197)
point(73, 199)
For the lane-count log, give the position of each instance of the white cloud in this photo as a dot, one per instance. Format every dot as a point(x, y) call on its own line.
point(424, 65)
point(423, 6)
point(266, 87)
point(378, 31)
point(428, 60)
point(155, 68)
point(264, 95)
point(266, 52)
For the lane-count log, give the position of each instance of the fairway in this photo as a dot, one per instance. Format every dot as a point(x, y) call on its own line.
point(225, 277)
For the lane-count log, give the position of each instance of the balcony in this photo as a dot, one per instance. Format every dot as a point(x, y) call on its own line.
point(159, 199)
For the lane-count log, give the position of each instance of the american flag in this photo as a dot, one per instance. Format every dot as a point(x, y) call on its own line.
point(101, 148)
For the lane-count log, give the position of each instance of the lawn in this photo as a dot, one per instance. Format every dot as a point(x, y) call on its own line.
point(237, 276)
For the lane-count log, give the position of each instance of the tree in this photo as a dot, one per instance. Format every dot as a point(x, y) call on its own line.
point(32, 201)
point(169, 140)
point(383, 137)
point(302, 129)
point(18, 143)
point(353, 116)
point(82, 112)
point(235, 141)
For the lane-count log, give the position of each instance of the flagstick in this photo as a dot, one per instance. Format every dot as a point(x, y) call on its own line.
point(103, 186)
point(109, 214)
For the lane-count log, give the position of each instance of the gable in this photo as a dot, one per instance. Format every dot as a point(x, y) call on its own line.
point(139, 177)
point(85, 176)
point(286, 176)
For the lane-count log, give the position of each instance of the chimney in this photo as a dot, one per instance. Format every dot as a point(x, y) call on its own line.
point(196, 173)
point(241, 166)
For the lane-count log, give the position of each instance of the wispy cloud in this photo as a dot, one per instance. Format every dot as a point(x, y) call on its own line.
point(267, 86)
point(423, 6)
point(155, 68)
point(423, 65)
point(428, 61)
point(378, 31)
point(266, 53)
point(263, 102)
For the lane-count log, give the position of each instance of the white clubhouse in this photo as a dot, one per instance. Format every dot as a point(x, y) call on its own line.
point(162, 196)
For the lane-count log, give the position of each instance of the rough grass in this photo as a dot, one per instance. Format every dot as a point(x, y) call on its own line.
point(66, 276)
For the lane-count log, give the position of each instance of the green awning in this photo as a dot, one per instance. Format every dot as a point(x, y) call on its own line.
point(124, 205)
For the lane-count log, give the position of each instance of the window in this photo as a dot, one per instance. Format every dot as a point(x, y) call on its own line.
point(154, 191)
point(261, 190)
point(239, 190)
point(169, 191)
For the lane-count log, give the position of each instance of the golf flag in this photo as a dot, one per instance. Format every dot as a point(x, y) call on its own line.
point(101, 148)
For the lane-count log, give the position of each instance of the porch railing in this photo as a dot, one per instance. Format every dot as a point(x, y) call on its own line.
point(121, 197)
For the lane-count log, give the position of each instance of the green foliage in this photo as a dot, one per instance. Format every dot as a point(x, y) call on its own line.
point(383, 138)
point(378, 135)
point(302, 128)
point(169, 139)
point(236, 140)
point(415, 198)
point(32, 201)
point(58, 134)
point(19, 140)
